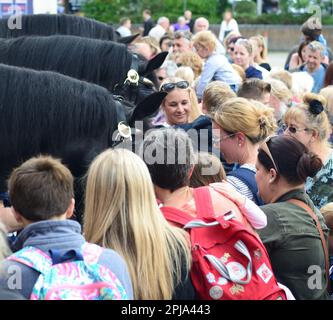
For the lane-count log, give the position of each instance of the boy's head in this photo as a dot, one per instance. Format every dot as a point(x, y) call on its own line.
point(255, 89)
point(41, 189)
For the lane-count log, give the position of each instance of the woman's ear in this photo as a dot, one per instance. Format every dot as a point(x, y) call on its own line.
point(272, 175)
point(314, 135)
point(240, 139)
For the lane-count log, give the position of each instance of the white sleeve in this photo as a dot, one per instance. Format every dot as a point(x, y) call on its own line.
point(221, 34)
point(255, 215)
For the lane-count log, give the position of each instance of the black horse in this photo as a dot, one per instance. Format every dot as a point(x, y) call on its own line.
point(105, 63)
point(49, 113)
point(60, 24)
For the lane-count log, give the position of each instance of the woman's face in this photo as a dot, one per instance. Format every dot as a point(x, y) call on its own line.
point(202, 51)
point(177, 106)
point(299, 131)
point(231, 50)
point(226, 143)
point(242, 56)
point(262, 179)
point(304, 54)
point(166, 45)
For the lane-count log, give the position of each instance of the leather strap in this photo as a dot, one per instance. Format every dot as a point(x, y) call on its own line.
point(304, 206)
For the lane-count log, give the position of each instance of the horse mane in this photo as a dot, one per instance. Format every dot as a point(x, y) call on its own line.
point(101, 62)
point(62, 24)
point(46, 112)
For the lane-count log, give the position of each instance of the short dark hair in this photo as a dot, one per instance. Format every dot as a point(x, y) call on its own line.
point(293, 159)
point(176, 157)
point(41, 188)
point(253, 89)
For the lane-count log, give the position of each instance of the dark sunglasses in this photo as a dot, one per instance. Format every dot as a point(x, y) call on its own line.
point(167, 87)
point(292, 129)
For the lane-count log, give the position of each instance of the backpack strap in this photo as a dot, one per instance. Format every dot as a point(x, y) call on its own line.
point(203, 202)
point(175, 215)
point(247, 177)
point(304, 206)
point(33, 258)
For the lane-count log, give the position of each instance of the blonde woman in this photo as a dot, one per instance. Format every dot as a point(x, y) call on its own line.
point(261, 53)
point(216, 65)
point(309, 124)
point(243, 56)
point(180, 106)
point(121, 213)
point(239, 127)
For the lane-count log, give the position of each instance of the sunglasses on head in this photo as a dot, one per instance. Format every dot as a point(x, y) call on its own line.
point(167, 87)
point(264, 147)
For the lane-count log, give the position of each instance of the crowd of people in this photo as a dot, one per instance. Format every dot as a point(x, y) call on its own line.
point(267, 164)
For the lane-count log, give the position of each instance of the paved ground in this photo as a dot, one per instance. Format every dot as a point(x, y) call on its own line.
point(277, 59)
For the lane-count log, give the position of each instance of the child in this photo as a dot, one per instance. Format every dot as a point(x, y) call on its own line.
point(41, 194)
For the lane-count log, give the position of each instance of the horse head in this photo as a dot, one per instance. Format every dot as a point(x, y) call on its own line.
point(140, 81)
point(106, 63)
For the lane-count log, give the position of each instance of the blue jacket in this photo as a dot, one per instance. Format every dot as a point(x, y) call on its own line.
point(252, 72)
point(63, 235)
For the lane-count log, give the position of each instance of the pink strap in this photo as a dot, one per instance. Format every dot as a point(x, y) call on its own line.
point(203, 202)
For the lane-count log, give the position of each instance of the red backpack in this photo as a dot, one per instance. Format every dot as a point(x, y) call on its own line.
point(229, 261)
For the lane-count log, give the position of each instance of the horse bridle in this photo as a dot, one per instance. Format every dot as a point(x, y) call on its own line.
point(133, 77)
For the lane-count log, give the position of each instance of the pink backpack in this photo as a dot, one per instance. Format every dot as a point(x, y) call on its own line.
point(229, 261)
point(81, 279)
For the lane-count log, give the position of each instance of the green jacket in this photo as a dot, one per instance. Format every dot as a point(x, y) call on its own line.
point(294, 246)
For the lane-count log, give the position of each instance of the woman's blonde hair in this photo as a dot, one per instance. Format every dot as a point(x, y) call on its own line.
point(284, 76)
point(317, 122)
point(280, 90)
point(253, 119)
point(153, 44)
point(327, 92)
point(260, 40)
point(327, 212)
point(121, 213)
point(185, 73)
point(192, 60)
point(206, 39)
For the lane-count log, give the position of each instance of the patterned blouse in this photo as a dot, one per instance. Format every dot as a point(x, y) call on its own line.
point(320, 188)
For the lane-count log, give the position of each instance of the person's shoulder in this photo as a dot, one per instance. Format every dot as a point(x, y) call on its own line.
point(111, 255)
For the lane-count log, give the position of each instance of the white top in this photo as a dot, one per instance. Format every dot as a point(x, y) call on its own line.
point(123, 31)
point(157, 32)
point(231, 26)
